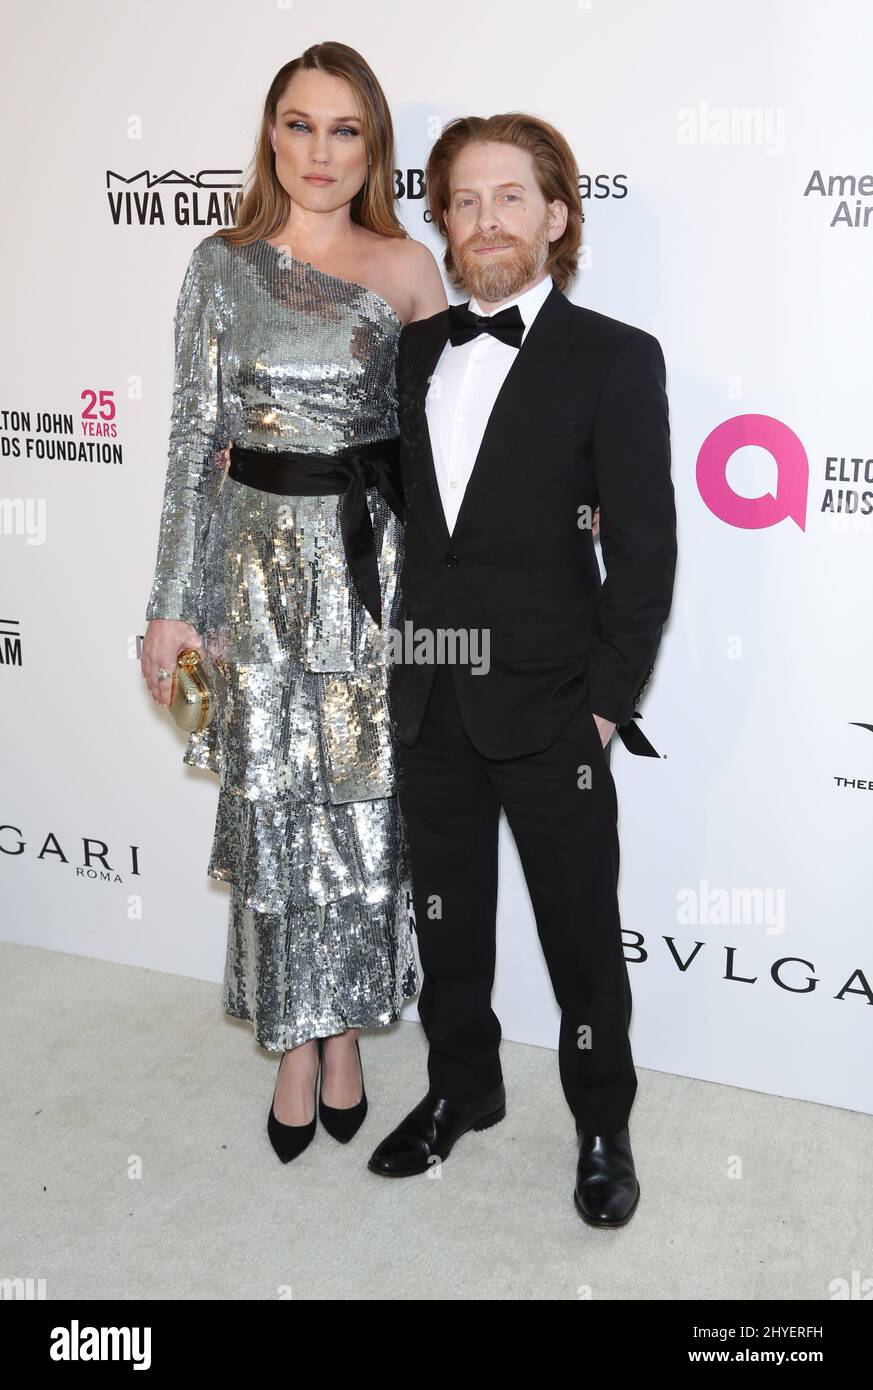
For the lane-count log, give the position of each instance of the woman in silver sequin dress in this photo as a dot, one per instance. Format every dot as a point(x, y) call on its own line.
point(295, 365)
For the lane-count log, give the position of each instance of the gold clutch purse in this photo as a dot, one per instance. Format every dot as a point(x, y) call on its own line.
point(192, 703)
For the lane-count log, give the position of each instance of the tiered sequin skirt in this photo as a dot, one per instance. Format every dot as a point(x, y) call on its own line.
point(308, 830)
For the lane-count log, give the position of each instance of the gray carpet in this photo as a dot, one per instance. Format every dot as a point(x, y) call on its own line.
point(135, 1165)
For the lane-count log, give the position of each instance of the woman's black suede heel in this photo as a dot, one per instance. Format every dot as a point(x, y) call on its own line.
point(290, 1140)
point(344, 1124)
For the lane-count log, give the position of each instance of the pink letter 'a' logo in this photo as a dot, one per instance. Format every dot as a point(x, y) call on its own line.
point(792, 478)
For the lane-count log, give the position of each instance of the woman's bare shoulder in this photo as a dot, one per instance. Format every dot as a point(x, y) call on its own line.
point(406, 274)
point(402, 252)
point(414, 255)
point(421, 274)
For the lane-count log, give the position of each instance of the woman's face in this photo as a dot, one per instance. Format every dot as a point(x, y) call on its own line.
point(318, 141)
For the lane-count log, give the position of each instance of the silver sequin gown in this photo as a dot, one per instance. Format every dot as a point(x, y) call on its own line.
point(274, 354)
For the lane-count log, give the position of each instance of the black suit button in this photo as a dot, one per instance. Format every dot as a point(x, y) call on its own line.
point(452, 558)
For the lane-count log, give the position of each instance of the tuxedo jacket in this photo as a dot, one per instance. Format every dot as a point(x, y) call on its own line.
point(580, 420)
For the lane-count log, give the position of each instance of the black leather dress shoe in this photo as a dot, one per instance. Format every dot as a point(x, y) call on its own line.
point(431, 1130)
point(607, 1190)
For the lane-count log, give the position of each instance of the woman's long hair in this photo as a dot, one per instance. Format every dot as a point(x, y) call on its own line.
point(556, 170)
point(265, 205)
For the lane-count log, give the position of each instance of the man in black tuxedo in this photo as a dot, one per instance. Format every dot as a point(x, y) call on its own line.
point(520, 414)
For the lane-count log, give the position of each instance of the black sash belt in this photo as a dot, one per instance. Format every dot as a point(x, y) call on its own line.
point(351, 472)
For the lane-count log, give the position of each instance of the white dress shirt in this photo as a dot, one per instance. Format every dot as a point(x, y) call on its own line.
point(461, 396)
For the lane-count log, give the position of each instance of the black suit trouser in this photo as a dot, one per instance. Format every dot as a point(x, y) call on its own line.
point(562, 810)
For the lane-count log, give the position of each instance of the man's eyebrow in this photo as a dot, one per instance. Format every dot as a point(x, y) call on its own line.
point(294, 111)
point(514, 183)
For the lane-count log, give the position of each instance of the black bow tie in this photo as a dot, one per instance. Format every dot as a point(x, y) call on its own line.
point(507, 325)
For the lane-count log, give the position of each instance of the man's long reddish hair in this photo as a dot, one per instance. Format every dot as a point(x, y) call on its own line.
point(556, 170)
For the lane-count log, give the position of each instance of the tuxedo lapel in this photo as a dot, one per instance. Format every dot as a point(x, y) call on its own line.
point(432, 346)
point(536, 362)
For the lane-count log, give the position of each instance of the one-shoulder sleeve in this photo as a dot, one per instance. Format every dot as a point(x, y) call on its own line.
point(196, 435)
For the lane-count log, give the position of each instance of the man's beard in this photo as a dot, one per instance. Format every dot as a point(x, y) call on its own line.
point(501, 276)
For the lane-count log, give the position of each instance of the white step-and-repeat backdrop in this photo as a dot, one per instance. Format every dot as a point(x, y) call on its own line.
point(725, 156)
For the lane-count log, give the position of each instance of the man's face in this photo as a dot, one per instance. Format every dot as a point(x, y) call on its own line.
point(498, 223)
